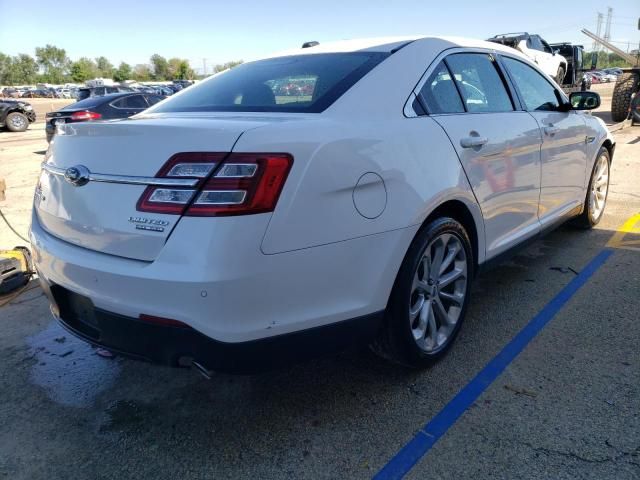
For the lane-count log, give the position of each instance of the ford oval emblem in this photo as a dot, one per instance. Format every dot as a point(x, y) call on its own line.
point(78, 175)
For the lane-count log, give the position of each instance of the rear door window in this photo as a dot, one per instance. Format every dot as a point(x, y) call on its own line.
point(439, 92)
point(479, 83)
point(153, 99)
point(130, 102)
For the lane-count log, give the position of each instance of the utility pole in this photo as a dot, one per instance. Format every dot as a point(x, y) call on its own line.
point(596, 45)
point(204, 67)
point(607, 31)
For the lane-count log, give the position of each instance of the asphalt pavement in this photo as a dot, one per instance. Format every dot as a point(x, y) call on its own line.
point(566, 406)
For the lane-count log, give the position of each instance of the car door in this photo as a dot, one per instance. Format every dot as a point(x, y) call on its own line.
point(498, 145)
point(563, 153)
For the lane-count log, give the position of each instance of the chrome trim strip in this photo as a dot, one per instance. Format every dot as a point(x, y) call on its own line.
point(126, 179)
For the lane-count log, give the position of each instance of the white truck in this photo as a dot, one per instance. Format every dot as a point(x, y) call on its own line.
point(538, 50)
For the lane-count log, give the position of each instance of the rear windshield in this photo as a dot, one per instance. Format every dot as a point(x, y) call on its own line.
point(302, 83)
point(90, 102)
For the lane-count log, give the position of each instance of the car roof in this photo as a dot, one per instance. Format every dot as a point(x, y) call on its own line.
point(390, 44)
point(98, 100)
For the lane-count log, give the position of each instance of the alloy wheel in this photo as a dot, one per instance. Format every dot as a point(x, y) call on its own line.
point(599, 188)
point(438, 292)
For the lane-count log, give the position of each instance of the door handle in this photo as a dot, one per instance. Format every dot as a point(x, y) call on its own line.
point(551, 130)
point(473, 142)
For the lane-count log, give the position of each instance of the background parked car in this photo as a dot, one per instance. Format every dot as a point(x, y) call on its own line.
point(100, 107)
point(38, 93)
point(613, 71)
point(87, 92)
point(16, 115)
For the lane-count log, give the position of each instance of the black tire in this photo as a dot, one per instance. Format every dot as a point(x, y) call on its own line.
point(17, 122)
point(395, 341)
point(585, 220)
point(560, 75)
point(626, 86)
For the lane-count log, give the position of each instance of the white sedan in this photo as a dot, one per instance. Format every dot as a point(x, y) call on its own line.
point(236, 227)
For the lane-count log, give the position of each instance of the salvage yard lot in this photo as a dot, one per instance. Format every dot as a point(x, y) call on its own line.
point(566, 407)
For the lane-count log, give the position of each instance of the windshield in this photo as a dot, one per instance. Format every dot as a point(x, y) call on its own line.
point(303, 83)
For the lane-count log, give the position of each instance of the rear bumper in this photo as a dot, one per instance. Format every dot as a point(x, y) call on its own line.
point(220, 284)
point(179, 346)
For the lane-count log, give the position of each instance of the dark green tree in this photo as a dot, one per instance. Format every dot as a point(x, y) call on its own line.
point(123, 72)
point(179, 69)
point(54, 63)
point(83, 69)
point(105, 67)
point(19, 70)
point(160, 67)
point(142, 72)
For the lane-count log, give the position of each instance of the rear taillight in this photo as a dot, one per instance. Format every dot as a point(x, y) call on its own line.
point(85, 116)
point(229, 184)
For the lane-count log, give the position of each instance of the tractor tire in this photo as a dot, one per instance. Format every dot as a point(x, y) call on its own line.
point(626, 86)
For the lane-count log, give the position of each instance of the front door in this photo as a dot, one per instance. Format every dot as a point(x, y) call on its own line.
point(563, 153)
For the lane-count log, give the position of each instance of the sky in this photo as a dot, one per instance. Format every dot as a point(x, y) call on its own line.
point(218, 31)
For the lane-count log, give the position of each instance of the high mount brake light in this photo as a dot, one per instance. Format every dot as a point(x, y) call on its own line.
point(229, 184)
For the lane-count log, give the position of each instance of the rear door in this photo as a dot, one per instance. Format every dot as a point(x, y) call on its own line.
point(563, 152)
point(498, 145)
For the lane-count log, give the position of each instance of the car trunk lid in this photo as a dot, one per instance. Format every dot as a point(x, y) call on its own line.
point(120, 159)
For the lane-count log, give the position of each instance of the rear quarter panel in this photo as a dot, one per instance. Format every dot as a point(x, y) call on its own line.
point(413, 157)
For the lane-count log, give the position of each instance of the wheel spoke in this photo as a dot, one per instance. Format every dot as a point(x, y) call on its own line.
point(433, 327)
point(416, 308)
point(602, 181)
point(601, 169)
point(451, 277)
point(455, 298)
point(426, 266)
point(442, 313)
point(420, 331)
point(440, 246)
point(452, 252)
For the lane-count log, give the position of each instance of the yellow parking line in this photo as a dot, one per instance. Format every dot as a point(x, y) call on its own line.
point(631, 226)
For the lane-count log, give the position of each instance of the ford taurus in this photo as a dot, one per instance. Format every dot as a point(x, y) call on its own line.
point(302, 202)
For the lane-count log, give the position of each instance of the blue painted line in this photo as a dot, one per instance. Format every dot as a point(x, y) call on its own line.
point(427, 437)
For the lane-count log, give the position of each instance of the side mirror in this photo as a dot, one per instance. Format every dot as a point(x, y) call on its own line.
point(584, 100)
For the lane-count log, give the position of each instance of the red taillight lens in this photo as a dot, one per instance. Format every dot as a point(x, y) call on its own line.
point(85, 116)
point(240, 184)
point(194, 165)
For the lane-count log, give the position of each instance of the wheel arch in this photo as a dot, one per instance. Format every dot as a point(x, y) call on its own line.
point(459, 211)
point(610, 146)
